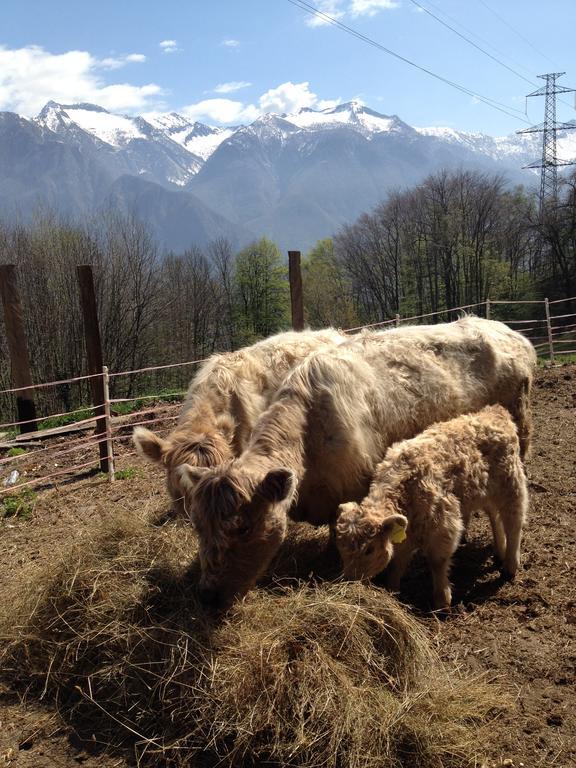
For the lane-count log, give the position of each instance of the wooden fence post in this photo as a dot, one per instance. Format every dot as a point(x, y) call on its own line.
point(94, 353)
point(108, 415)
point(18, 348)
point(487, 309)
point(549, 329)
point(397, 319)
point(295, 277)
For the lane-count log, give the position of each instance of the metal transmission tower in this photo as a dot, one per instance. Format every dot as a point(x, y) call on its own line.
point(549, 162)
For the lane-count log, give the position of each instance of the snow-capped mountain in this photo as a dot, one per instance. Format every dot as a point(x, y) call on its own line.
point(522, 148)
point(116, 130)
point(295, 177)
point(353, 114)
point(126, 145)
point(199, 139)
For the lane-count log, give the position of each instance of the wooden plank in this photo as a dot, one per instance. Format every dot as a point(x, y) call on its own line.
point(94, 353)
point(21, 444)
point(17, 347)
point(296, 299)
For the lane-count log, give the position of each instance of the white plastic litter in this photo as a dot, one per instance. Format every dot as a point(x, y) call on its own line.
point(12, 478)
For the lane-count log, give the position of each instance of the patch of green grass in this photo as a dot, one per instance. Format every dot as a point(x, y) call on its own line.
point(119, 409)
point(123, 409)
point(544, 360)
point(565, 358)
point(17, 451)
point(68, 418)
point(18, 504)
point(127, 474)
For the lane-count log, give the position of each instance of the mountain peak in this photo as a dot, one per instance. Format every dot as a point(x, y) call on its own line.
point(353, 114)
point(347, 106)
point(270, 125)
point(52, 106)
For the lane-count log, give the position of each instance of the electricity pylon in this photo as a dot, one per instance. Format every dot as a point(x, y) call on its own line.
point(549, 163)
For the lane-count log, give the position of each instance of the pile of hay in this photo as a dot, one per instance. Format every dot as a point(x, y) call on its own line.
point(300, 675)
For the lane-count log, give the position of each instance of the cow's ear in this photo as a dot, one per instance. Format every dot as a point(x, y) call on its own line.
point(278, 485)
point(394, 528)
point(149, 445)
point(188, 476)
point(347, 518)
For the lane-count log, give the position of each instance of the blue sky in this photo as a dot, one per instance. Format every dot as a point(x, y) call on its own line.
point(229, 60)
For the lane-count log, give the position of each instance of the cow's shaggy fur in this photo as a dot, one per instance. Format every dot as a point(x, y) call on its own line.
point(330, 424)
point(430, 485)
point(224, 401)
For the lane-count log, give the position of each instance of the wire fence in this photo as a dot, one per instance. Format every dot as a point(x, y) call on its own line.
point(42, 458)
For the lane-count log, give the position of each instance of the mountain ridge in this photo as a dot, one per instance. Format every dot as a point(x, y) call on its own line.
point(295, 177)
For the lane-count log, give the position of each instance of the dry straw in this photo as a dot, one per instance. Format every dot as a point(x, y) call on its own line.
point(299, 674)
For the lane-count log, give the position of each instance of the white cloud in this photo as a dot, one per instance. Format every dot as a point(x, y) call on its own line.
point(371, 7)
point(31, 76)
point(230, 43)
point(235, 85)
point(327, 103)
point(338, 9)
point(287, 97)
point(169, 46)
point(331, 8)
point(221, 111)
point(116, 62)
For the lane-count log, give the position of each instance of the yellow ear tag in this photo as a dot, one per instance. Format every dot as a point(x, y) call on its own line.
point(398, 534)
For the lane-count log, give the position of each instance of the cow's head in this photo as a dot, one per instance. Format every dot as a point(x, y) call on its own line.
point(207, 448)
point(241, 519)
point(365, 540)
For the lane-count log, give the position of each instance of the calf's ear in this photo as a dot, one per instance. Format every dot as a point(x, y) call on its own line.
point(278, 485)
point(347, 517)
point(394, 528)
point(188, 476)
point(149, 445)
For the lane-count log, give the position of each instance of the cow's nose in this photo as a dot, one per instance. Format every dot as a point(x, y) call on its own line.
point(210, 597)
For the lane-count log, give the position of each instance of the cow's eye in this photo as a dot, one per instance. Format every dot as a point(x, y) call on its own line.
point(369, 550)
point(243, 529)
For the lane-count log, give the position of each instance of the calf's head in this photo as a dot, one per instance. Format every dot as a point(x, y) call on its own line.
point(183, 446)
point(241, 520)
point(366, 540)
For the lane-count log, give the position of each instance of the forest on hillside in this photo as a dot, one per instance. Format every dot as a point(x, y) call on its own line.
point(457, 238)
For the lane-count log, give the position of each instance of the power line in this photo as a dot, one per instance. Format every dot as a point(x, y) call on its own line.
point(471, 42)
point(479, 37)
point(308, 8)
point(516, 32)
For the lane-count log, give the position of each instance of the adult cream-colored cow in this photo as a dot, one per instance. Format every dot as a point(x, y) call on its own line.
point(331, 422)
point(224, 401)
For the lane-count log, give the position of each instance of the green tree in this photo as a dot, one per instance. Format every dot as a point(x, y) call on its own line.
point(262, 293)
point(327, 290)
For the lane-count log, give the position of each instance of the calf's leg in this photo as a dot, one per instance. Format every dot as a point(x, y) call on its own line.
point(440, 567)
point(397, 566)
point(514, 521)
point(498, 533)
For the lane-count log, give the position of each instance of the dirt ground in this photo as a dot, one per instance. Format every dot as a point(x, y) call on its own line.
point(522, 634)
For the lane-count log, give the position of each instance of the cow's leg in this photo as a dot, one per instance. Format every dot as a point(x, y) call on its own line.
point(498, 533)
point(513, 519)
point(397, 566)
point(439, 550)
point(440, 567)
